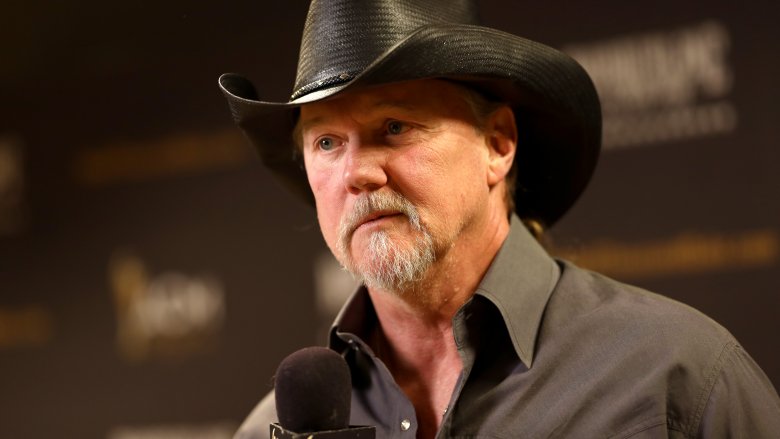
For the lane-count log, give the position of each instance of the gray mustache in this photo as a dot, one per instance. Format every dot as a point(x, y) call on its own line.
point(371, 202)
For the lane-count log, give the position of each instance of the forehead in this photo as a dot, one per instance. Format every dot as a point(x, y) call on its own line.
point(422, 97)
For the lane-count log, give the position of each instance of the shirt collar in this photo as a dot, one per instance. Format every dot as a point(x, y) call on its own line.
point(356, 319)
point(518, 283)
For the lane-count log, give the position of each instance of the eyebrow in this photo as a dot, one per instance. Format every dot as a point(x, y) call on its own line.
point(379, 106)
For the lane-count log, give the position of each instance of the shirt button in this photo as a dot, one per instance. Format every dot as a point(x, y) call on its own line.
point(405, 424)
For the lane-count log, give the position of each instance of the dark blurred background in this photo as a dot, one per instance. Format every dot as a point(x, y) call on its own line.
point(152, 274)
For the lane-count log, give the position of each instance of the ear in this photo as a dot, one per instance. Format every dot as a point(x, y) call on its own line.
point(501, 139)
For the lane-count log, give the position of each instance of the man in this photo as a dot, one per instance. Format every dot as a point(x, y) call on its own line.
point(425, 140)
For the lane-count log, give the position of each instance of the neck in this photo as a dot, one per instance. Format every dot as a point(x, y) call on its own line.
point(414, 337)
point(417, 323)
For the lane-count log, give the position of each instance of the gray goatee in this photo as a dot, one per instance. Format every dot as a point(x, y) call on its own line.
point(387, 263)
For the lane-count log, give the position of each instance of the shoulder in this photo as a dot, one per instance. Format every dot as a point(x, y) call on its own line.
point(637, 342)
point(665, 354)
point(605, 305)
point(256, 425)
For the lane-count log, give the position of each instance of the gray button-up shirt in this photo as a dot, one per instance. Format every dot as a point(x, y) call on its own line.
point(553, 351)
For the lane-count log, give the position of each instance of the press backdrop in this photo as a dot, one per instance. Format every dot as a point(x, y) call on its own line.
point(152, 275)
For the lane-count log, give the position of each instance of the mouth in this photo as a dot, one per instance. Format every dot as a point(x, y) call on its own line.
point(377, 216)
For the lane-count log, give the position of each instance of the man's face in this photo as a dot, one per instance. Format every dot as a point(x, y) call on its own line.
point(399, 175)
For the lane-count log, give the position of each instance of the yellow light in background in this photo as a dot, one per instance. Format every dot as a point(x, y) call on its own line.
point(12, 185)
point(25, 326)
point(131, 161)
point(682, 254)
point(220, 430)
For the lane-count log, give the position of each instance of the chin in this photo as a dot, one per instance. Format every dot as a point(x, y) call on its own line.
point(392, 264)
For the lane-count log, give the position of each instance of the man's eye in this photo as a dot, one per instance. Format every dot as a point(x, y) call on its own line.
point(326, 143)
point(395, 127)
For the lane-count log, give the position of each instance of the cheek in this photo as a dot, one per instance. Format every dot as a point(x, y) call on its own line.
point(428, 179)
point(418, 175)
point(448, 183)
point(457, 168)
point(321, 182)
point(328, 226)
point(329, 216)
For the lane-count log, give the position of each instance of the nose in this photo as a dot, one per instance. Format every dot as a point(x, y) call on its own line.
point(364, 169)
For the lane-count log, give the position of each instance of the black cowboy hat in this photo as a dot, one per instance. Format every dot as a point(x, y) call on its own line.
point(356, 43)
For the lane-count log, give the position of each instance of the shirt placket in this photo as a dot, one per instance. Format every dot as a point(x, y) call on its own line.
point(466, 351)
point(392, 400)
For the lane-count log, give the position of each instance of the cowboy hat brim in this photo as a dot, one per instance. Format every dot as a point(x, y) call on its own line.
point(556, 108)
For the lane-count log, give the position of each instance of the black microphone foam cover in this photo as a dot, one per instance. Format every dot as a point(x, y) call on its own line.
point(313, 391)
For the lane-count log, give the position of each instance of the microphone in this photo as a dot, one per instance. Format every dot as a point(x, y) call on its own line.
point(313, 397)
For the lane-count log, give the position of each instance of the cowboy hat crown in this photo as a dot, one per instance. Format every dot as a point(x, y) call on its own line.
point(341, 38)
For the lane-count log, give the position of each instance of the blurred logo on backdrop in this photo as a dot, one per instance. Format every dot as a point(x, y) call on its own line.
point(332, 287)
point(11, 185)
point(169, 314)
point(662, 86)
